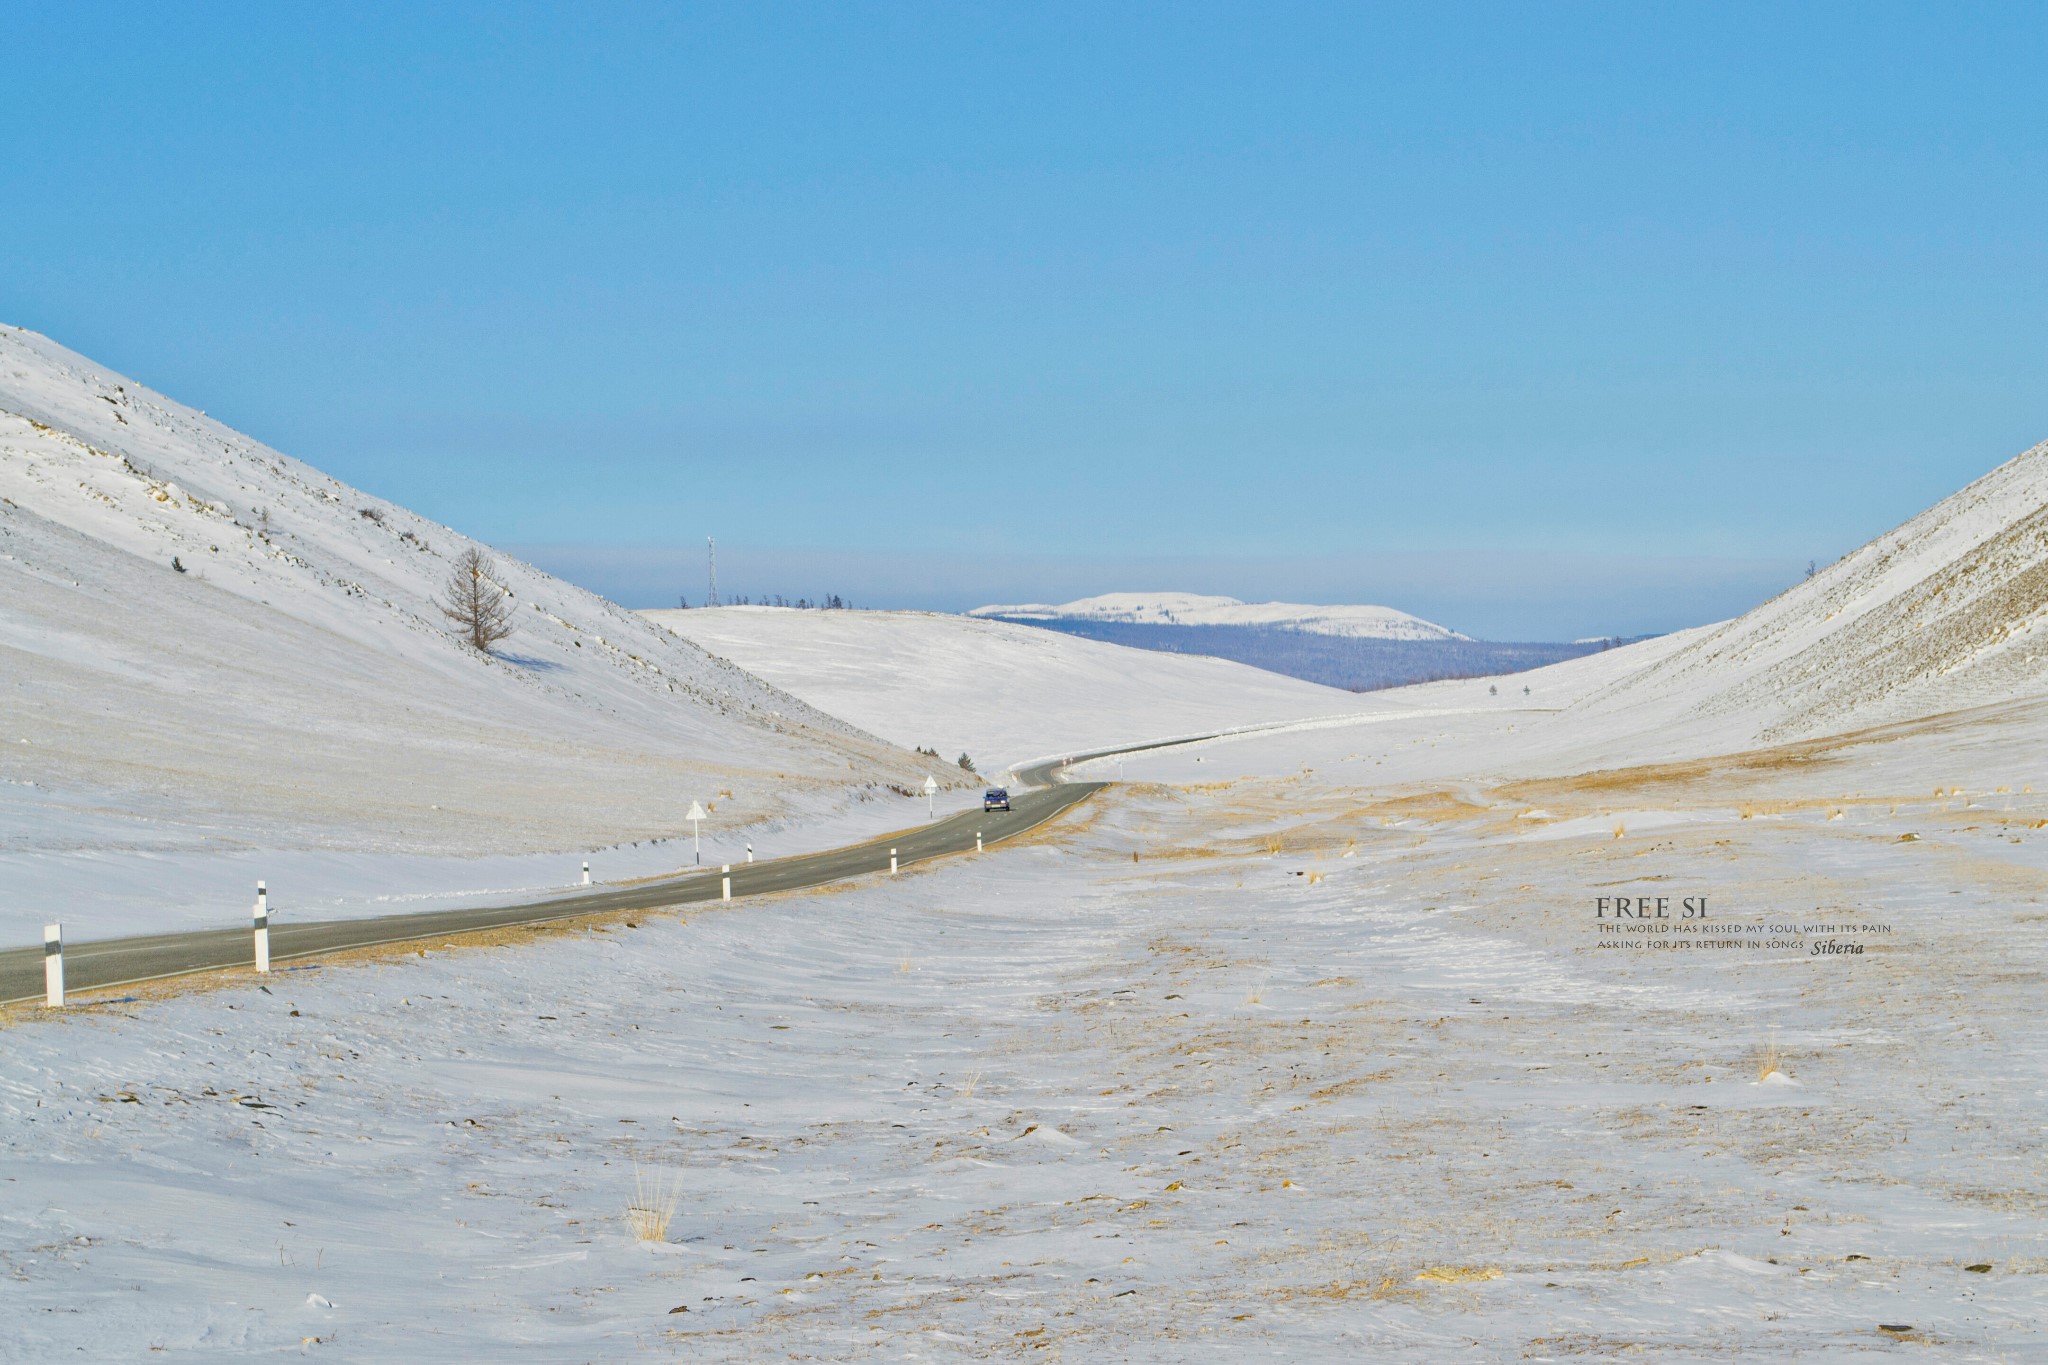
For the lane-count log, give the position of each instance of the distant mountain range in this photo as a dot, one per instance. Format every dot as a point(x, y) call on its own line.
point(1359, 648)
point(1194, 609)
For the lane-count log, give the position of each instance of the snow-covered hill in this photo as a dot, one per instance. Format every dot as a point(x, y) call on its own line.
point(1945, 612)
point(999, 692)
point(1946, 615)
point(208, 645)
point(1193, 609)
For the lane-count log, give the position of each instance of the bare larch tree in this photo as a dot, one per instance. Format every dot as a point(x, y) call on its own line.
point(480, 609)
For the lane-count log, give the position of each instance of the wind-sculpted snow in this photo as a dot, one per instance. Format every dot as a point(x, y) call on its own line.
point(208, 644)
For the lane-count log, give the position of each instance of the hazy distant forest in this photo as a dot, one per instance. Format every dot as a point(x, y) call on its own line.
point(1358, 665)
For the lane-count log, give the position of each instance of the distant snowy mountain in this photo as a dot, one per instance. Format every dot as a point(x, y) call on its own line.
point(1193, 609)
point(204, 643)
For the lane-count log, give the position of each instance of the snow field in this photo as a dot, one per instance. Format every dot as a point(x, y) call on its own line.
point(1322, 1073)
point(999, 692)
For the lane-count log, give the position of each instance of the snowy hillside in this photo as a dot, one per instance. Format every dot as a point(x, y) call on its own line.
point(1193, 609)
point(999, 692)
point(205, 644)
point(1945, 612)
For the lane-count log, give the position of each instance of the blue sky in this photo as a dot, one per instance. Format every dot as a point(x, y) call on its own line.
point(1539, 320)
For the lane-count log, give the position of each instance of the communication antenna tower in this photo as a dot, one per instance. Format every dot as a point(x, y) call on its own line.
point(711, 544)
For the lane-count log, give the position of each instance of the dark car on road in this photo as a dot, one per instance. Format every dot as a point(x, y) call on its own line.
point(995, 798)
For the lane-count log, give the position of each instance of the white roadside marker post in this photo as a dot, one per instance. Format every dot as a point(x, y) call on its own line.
point(892, 862)
point(586, 873)
point(750, 850)
point(726, 890)
point(977, 841)
point(931, 792)
point(53, 965)
point(261, 917)
point(696, 835)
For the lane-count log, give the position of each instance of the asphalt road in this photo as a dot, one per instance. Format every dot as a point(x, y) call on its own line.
point(1047, 772)
point(97, 964)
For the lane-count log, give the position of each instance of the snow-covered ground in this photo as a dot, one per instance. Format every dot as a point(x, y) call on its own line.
point(1280, 1069)
point(1195, 609)
point(294, 699)
point(997, 692)
point(1258, 1064)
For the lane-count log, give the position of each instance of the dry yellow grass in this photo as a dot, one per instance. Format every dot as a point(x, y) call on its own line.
point(655, 1196)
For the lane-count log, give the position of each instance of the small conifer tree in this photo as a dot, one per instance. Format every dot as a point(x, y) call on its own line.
point(480, 609)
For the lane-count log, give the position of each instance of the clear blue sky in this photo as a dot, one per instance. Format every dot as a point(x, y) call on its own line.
point(1542, 320)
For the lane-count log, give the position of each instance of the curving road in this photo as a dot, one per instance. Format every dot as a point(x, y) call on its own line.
point(101, 963)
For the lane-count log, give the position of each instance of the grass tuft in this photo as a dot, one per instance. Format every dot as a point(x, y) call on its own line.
point(655, 1196)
